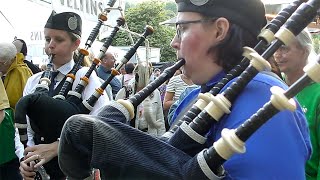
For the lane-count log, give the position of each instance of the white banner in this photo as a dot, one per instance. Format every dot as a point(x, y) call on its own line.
point(89, 11)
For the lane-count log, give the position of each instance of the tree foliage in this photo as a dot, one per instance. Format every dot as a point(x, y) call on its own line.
point(171, 6)
point(150, 13)
point(316, 42)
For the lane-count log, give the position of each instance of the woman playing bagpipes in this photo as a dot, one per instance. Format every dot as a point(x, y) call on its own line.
point(62, 37)
point(210, 37)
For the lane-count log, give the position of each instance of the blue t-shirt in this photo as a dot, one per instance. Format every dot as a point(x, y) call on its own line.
point(278, 150)
point(115, 83)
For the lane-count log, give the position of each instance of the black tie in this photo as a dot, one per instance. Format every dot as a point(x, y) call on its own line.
point(53, 82)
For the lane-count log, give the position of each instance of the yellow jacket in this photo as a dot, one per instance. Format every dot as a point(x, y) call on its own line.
point(4, 102)
point(16, 78)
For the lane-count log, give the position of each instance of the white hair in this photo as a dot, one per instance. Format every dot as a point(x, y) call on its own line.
point(7, 51)
point(305, 40)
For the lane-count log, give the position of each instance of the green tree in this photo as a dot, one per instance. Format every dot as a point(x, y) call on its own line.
point(316, 42)
point(171, 6)
point(149, 13)
point(128, 5)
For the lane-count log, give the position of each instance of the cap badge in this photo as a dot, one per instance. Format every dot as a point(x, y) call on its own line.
point(72, 23)
point(199, 2)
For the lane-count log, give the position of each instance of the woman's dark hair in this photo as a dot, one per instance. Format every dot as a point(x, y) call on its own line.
point(129, 67)
point(231, 48)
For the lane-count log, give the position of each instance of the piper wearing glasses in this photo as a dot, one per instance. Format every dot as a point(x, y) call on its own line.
point(210, 37)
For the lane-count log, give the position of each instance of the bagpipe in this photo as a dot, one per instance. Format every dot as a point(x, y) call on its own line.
point(233, 141)
point(46, 111)
point(47, 114)
point(132, 103)
point(193, 130)
point(215, 104)
point(265, 38)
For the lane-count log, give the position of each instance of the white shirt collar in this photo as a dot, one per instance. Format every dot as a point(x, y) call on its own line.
point(66, 68)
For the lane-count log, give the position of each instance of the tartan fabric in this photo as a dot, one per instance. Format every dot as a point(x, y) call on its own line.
point(120, 151)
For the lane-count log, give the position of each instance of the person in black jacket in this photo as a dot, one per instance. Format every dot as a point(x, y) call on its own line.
point(22, 48)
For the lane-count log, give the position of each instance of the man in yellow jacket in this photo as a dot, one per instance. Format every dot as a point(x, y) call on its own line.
point(15, 72)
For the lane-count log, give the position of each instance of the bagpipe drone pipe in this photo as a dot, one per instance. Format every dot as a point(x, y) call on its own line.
point(265, 38)
point(129, 105)
point(73, 104)
point(99, 91)
point(46, 111)
point(173, 163)
point(193, 131)
point(55, 111)
point(75, 96)
point(233, 141)
point(83, 52)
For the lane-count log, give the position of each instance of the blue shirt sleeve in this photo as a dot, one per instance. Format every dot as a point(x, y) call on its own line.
point(183, 104)
point(278, 149)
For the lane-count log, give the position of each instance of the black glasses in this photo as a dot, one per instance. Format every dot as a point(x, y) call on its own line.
point(178, 24)
point(283, 49)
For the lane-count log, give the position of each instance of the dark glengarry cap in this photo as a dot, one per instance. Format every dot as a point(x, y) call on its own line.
point(67, 21)
point(249, 14)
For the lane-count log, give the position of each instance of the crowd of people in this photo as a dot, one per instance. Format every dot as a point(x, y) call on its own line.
point(209, 37)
